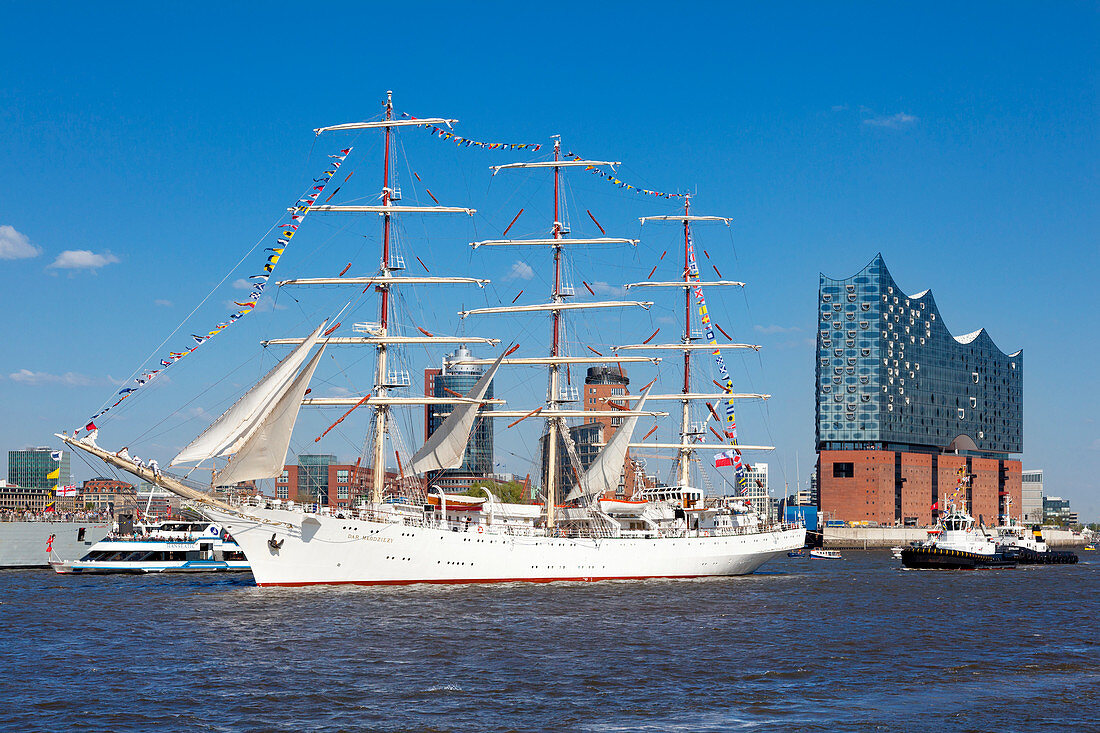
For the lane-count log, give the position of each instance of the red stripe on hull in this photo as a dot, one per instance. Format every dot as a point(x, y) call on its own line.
point(445, 581)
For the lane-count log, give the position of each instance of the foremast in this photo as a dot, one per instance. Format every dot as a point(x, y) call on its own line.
point(379, 335)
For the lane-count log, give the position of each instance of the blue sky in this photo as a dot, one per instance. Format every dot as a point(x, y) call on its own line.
point(147, 149)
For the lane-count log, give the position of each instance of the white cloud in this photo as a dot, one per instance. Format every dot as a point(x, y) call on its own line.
point(15, 246)
point(241, 284)
point(82, 259)
point(1095, 444)
point(894, 122)
point(520, 271)
point(36, 379)
point(775, 329)
point(605, 289)
point(163, 302)
point(839, 107)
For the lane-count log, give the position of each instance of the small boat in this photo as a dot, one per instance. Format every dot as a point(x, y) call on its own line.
point(826, 554)
point(897, 552)
point(1090, 547)
point(797, 553)
point(170, 547)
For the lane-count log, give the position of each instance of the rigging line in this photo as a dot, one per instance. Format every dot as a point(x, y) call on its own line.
point(179, 409)
point(156, 350)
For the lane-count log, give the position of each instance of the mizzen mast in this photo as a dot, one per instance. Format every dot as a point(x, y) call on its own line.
point(685, 447)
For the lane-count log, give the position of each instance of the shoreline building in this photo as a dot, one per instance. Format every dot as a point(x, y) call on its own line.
point(904, 409)
point(105, 494)
point(1031, 506)
point(455, 379)
point(30, 468)
point(318, 478)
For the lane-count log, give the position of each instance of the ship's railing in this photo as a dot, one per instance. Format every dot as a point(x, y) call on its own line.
point(411, 515)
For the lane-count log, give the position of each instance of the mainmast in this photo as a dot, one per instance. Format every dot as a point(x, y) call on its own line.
point(553, 413)
point(553, 389)
point(381, 414)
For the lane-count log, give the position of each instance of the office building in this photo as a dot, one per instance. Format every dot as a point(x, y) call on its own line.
point(1056, 511)
point(604, 388)
point(1031, 508)
point(905, 410)
point(319, 479)
point(31, 468)
point(456, 379)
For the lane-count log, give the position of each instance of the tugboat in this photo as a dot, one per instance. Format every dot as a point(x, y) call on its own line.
point(1031, 549)
point(957, 545)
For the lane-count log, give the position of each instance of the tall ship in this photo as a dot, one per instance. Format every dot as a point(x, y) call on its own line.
point(407, 529)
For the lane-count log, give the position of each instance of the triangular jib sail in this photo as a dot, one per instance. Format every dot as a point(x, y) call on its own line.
point(447, 445)
point(230, 431)
point(603, 474)
point(264, 452)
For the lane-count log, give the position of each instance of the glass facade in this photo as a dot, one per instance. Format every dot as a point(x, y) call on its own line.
point(29, 468)
point(459, 378)
point(890, 375)
point(313, 477)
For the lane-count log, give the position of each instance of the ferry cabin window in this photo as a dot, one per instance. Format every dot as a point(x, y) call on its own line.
point(843, 470)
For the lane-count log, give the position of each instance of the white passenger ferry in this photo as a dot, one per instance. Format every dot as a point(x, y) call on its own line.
point(169, 547)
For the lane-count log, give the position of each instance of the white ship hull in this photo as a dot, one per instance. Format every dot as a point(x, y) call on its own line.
point(319, 549)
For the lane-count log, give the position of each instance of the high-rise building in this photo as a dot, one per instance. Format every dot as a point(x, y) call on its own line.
point(455, 379)
point(905, 409)
point(1032, 500)
point(31, 468)
point(604, 387)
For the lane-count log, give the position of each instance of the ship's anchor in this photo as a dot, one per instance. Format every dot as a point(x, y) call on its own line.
point(275, 544)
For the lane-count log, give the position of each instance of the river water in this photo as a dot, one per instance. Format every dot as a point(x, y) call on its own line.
point(816, 645)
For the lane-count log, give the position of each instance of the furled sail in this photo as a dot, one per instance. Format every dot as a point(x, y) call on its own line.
point(264, 451)
point(227, 434)
point(603, 474)
point(446, 446)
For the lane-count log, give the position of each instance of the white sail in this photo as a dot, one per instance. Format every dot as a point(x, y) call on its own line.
point(264, 451)
point(446, 446)
point(224, 436)
point(603, 474)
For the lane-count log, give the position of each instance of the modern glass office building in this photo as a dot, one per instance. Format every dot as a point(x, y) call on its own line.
point(458, 378)
point(30, 468)
point(313, 475)
point(890, 376)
